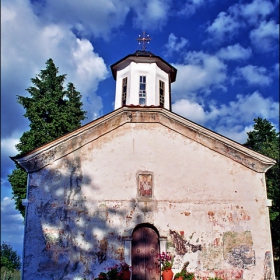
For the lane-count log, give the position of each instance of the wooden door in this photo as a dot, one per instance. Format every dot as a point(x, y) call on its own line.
point(145, 247)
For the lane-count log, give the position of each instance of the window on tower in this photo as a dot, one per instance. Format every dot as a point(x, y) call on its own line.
point(124, 91)
point(161, 93)
point(142, 90)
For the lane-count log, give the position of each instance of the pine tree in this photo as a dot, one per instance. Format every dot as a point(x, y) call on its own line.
point(265, 140)
point(52, 112)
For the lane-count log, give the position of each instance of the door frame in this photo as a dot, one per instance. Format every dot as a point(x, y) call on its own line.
point(128, 242)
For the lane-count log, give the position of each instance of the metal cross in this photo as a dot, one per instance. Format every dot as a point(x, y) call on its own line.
point(144, 39)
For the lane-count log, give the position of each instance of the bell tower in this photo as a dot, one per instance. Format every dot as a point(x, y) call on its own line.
point(143, 79)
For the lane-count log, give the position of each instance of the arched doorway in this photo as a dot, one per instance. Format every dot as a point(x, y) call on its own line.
point(145, 247)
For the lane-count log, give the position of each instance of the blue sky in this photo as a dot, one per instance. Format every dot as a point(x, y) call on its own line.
point(226, 54)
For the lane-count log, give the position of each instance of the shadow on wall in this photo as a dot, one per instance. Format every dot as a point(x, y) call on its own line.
point(70, 234)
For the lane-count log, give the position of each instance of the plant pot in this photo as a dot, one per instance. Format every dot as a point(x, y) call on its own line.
point(167, 274)
point(179, 278)
point(125, 275)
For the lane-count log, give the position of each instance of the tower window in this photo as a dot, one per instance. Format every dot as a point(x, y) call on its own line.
point(161, 93)
point(124, 90)
point(142, 90)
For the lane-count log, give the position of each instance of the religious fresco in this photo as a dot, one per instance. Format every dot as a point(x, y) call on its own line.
point(145, 185)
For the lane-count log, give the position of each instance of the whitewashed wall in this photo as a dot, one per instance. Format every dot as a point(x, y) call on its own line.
point(84, 204)
point(153, 75)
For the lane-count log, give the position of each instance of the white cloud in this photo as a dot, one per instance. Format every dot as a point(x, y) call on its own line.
point(265, 38)
point(254, 75)
point(234, 52)
point(228, 23)
point(27, 43)
point(190, 110)
point(190, 7)
point(11, 224)
point(150, 14)
point(256, 10)
point(8, 144)
point(234, 119)
point(225, 26)
point(87, 17)
point(201, 72)
point(7, 150)
point(174, 44)
point(102, 18)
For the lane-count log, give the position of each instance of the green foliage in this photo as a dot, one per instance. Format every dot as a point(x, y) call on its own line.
point(18, 180)
point(52, 112)
point(265, 140)
point(184, 274)
point(9, 258)
point(7, 274)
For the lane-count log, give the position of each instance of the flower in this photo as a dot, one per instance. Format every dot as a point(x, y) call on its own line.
point(113, 272)
point(166, 260)
point(124, 266)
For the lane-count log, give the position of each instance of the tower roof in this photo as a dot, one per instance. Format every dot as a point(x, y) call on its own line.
point(143, 56)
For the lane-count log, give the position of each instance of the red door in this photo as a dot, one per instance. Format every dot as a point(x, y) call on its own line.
point(145, 247)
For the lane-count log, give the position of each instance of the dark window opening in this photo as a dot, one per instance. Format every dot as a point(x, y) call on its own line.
point(124, 91)
point(161, 93)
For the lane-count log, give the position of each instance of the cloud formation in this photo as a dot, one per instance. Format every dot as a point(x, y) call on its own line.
point(255, 11)
point(224, 26)
point(11, 225)
point(226, 119)
point(150, 14)
point(228, 24)
point(255, 75)
point(200, 72)
point(28, 42)
point(234, 52)
point(265, 37)
point(174, 45)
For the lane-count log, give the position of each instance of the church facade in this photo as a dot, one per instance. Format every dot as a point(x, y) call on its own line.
point(142, 180)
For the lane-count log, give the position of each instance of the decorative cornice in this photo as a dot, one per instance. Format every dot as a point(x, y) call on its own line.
point(58, 148)
point(145, 57)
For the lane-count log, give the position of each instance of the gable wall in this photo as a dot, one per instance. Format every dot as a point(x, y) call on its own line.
point(83, 205)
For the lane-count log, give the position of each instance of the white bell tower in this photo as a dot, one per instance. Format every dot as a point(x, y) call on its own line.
point(143, 79)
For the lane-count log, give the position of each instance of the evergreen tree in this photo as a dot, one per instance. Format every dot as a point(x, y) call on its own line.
point(265, 140)
point(52, 112)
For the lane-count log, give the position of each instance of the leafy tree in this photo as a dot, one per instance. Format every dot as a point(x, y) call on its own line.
point(265, 140)
point(52, 112)
point(9, 258)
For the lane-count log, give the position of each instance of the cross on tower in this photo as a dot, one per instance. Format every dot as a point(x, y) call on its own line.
point(143, 40)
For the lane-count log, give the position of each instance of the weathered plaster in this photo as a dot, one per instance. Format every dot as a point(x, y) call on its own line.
point(209, 207)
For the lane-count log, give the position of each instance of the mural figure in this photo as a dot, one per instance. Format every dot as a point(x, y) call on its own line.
point(145, 185)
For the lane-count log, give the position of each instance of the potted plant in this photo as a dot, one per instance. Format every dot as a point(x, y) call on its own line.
point(166, 261)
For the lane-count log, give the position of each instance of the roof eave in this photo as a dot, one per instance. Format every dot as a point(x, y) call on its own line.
point(145, 59)
point(58, 148)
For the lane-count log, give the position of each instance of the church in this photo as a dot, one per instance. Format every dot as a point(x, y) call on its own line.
point(143, 180)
